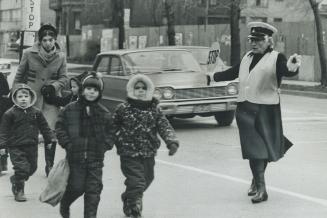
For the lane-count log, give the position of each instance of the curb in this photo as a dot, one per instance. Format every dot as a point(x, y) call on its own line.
point(304, 93)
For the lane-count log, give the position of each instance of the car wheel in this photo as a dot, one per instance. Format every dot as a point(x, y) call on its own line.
point(224, 118)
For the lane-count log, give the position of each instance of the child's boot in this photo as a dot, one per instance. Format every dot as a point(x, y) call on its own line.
point(137, 208)
point(64, 211)
point(13, 185)
point(127, 207)
point(20, 195)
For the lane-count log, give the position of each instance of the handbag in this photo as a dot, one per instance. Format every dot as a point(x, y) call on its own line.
point(57, 182)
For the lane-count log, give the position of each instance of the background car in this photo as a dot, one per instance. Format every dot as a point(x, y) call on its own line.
point(5, 69)
point(181, 85)
point(208, 58)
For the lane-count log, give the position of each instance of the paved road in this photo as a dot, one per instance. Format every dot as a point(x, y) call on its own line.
point(207, 178)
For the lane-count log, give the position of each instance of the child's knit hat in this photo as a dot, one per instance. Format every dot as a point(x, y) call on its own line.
point(93, 79)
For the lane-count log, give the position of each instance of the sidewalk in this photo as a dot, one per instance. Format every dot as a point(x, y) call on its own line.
point(303, 88)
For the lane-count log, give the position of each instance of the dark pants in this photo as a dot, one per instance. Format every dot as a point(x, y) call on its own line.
point(258, 168)
point(24, 161)
point(4, 162)
point(49, 155)
point(85, 178)
point(139, 173)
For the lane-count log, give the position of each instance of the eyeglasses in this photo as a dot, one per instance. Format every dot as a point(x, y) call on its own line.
point(255, 40)
point(140, 87)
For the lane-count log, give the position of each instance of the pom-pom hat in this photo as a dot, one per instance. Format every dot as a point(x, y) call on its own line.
point(93, 80)
point(260, 30)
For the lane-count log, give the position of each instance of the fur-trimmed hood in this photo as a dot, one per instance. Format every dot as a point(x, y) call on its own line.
point(140, 78)
point(24, 86)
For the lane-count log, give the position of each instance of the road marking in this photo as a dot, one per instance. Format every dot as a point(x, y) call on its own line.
point(320, 201)
point(311, 142)
point(317, 118)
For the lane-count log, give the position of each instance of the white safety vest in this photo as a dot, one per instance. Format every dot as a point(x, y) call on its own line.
point(260, 84)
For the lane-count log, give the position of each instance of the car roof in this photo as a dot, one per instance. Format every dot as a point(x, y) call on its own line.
point(159, 48)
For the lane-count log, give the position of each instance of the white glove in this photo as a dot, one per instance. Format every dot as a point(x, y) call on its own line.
point(294, 62)
point(2, 151)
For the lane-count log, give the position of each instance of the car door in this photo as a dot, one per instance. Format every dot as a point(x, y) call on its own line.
point(115, 80)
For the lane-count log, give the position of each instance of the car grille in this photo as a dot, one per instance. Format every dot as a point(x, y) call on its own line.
point(208, 92)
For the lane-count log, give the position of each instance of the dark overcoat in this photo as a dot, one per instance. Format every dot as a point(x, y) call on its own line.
point(260, 125)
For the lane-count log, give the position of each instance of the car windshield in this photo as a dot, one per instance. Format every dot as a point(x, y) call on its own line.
point(200, 54)
point(160, 61)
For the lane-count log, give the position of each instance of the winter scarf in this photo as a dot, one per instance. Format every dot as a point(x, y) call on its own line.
point(140, 104)
point(90, 119)
point(47, 56)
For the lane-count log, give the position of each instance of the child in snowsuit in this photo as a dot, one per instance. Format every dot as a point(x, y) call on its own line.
point(19, 130)
point(84, 130)
point(5, 104)
point(138, 121)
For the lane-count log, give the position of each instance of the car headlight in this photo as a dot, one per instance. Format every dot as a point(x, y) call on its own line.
point(4, 66)
point(232, 89)
point(168, 93)
point(157, 94)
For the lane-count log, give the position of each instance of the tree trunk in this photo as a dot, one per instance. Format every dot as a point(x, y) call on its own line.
point(235, 32)
point(170, 22)
point(320, 43)
point(118, 18)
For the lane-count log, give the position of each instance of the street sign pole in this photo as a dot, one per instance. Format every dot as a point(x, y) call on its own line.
point(31, 21)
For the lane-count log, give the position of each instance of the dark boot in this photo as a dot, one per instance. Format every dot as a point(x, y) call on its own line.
point(66, 201)
point(64, 211)
point(136, 211)
point(20, 195)
point(253, 189)
point(260, 183)
point(127, 207)
point(13, 185)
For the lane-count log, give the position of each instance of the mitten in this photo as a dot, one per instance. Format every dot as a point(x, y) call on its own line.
point(294, 62)
point(48, 90)
point(49, 94)
point(172, 149)
point(208, 80)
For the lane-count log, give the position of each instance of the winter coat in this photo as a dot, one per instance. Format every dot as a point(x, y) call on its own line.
point(21, 126)
point(139, 122)
point(69, 133)
point(5, 101)
point(35, 72)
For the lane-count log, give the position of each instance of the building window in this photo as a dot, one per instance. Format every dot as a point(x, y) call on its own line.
point(262, 19)
point(213, 2)
point(261, 3)
point(277, 19)
point(77, 20)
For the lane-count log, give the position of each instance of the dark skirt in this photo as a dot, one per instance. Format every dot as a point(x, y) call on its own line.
point(261, 131)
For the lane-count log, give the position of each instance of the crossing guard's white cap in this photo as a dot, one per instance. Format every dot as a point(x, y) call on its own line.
point(260, 29)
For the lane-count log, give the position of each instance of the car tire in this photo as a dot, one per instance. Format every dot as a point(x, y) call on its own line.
point(225, 118)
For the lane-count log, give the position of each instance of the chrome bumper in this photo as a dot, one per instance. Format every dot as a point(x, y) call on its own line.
point(198, 106)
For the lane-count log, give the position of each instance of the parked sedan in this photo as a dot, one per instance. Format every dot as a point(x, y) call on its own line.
point(181, 85)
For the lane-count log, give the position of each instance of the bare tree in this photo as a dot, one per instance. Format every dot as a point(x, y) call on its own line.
point(320, 43)
point(170, 16)
point(118, 20)
point(235, 12)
